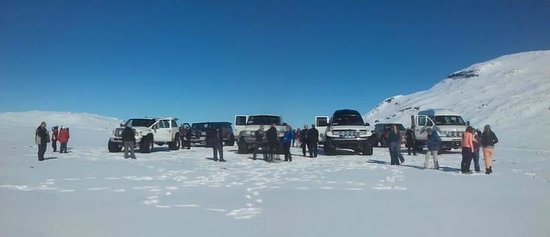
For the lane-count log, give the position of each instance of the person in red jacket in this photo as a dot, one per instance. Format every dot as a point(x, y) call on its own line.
point(63, 138)
point(55, 131)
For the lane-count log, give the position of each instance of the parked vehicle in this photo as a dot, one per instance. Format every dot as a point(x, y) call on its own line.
point(380, 133)
point(247, 125)
point(321, 123)
point(199, 131)
point(148, 132)
point(449, 125)
point(346, 129)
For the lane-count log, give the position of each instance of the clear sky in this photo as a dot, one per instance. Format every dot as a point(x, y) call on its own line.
point(211, 60)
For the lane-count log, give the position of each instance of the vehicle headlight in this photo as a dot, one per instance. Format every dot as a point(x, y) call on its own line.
point(363, 132)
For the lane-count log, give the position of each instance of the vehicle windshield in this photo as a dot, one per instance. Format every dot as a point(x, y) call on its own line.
point(264, 120)
point(199, 126)
point(140, 122)
point(449, 120)
point(387, 127)
point(348, 119)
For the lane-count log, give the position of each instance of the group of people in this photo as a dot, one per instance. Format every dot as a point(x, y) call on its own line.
point(472, 142)
point(308, 138)
point(268, 142)
point(42, 138)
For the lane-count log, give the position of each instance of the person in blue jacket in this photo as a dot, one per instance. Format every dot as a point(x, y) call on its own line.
point(287, 142)
point(434, 141)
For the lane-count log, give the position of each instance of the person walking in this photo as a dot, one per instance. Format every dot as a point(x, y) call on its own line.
point(63, 139)
point(433, 143)
point(288, 138)
point(411, 142)
point(259, 143)
point(312, 141)
point(394, 141)
point(129, 141)
point(303, 139)
point(216, 140)
point(42, 137)
point(488, 141)
point(467, 150)
point(272, 142)
point(55, 132)
point(475, 155)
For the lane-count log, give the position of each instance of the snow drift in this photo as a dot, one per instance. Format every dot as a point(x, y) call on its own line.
point(512, 93)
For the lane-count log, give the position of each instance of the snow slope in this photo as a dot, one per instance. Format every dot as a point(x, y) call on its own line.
point(512, 93)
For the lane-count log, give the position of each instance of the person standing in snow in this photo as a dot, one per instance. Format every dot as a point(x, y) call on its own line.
point(55, 131)
point(185, 136)
point(293, 137)
point(288, 138)
point(297, 137)
point(312, 141)
point(433, 143)
point(488, 141)
point(216, 140)
point(42, 137)
point(129, 141)
point(467, 150)
point(394, 147)
point(411, 142)
point(475, 156)
point(303, 139)
point(63, 139)
point(272, 142)
point(259, 143)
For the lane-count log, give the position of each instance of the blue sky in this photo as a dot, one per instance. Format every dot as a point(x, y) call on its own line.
point(211, 60)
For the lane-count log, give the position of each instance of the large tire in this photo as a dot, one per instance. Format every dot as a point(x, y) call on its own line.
point(243, 148)
point(146, 144)
point(114, 147)
point(367, 149)
point(328, 148)
point(175, 145)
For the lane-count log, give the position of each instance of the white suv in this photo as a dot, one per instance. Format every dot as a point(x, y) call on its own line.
point(148, 132)
point(347, 129)
point(247, 125)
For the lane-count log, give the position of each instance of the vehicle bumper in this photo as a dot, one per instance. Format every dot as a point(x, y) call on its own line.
point(350, 143)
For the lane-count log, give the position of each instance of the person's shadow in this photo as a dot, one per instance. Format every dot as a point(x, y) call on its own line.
point(50, 158)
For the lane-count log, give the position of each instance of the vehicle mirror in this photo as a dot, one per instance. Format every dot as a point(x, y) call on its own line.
point(122, 124)
point(367, 124)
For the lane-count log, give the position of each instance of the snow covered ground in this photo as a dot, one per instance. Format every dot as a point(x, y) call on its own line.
point(90, 192)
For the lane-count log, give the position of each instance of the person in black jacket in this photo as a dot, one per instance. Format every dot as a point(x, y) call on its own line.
point(488, 141)
point(259, 142)
point(303, 139)
point(129, 141)
point(216, 140)
point(272, 142)
point(411, 142)
point(42, 138)
point(185, 136)
point(312, 140)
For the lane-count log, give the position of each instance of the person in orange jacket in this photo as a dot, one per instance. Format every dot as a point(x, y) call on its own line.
point(467, 150)
point(63, 138)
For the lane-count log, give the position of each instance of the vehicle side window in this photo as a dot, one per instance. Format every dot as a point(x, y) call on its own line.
point(164, 124)
point(422, 120)
point(174, 124)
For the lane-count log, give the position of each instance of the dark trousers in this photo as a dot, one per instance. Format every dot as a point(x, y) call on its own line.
point(288, 156)
point(217, 149)
point(257, 147)
point(185, 143)
point(467, 156)
point(271, 149)
point(63, 148)
point(312, 148)
point(395, 149)
point(54, 146)
point(410, 148)
point(476, 161)
point(41, 151)
point(303, 145)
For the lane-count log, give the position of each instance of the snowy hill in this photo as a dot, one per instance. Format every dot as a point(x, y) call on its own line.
point(512, 93)
point(86, 129)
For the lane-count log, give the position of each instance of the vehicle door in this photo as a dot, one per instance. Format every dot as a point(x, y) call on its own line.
point(240, 124)
point(163, 131)
point(321, 123)
point(423, 122)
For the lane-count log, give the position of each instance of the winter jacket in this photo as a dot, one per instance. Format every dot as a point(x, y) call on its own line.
point(411, 139)
point(394, 137)
point(434, 141)
point(468, 141)
point(54, 134)
point(64, 135)
point(215, 136)
point(303, 136)
point(488, 139)
point(42, 136)
point(271, 136)
point(128, 135)
point(312, 136)
point(259, 135)
point(288, 137)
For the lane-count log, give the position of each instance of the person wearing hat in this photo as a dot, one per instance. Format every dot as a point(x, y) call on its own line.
point(433, 143)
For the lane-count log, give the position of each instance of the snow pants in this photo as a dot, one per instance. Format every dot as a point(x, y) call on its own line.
point(395, 149)
point(129, 146)
point(433, 154)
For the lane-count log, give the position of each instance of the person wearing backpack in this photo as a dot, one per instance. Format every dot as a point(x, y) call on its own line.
point(42, 137)
point(488, 141)
point(63, 139)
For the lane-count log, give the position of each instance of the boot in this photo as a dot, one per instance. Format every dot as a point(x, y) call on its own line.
point(436, 165)
point(490, 169)
point(487, 171)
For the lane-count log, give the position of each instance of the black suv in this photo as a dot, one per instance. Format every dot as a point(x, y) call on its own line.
point(381, 130)
point(199, 131)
